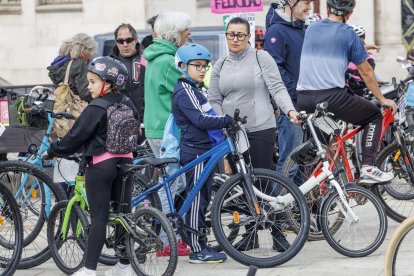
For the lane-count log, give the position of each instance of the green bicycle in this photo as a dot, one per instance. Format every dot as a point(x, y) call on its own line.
point(130, 235)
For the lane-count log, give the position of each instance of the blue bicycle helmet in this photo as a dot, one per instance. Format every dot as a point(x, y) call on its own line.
point(188, 52)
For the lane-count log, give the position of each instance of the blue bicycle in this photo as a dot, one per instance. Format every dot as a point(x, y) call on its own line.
point(247, 202)
point(36, 194)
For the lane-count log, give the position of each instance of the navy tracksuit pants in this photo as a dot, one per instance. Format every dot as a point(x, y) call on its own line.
point(195, 216)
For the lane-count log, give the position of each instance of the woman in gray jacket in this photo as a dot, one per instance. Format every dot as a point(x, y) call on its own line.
point(246, 79)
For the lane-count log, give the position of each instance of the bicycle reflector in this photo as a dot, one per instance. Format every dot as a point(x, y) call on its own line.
point(236, 217)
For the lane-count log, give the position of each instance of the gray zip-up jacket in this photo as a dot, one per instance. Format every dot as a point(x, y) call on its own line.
point(238, 82)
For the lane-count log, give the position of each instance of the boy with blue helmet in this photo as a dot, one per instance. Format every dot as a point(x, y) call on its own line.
point(194, 115)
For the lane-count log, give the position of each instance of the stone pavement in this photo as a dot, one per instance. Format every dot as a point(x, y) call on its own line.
point(315, 259)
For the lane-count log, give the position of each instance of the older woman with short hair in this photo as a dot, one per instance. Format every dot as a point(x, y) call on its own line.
point(79, 48)
point(160, 78)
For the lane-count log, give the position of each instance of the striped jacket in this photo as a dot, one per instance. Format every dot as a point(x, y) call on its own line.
point(191, 111)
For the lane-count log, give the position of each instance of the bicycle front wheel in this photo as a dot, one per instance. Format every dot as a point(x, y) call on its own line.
point(359, 236)
point(36, 194)
point(264, 234)
point(68, 248)
point(148, 222)
point(398, 257)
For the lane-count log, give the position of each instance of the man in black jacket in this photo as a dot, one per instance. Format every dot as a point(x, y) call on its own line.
point(128, 51)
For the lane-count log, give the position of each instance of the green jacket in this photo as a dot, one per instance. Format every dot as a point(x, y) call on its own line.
point(161, 75)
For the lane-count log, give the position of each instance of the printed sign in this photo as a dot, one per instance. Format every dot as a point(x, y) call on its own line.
point(236, 6)
point(4, 112)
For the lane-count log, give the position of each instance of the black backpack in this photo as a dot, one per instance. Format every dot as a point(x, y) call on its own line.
point(123, 128)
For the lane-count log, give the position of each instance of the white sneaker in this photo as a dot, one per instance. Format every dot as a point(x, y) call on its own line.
point(84, 272)
point(371, 174)
point(116, 270)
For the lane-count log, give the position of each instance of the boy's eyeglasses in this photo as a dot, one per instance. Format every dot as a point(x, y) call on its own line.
point(199, 67)
point(127, 40)
point(240, 37)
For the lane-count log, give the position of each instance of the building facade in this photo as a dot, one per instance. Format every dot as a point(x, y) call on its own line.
point(32, 30)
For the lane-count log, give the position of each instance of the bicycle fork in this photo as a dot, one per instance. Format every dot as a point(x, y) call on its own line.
point(344, 202)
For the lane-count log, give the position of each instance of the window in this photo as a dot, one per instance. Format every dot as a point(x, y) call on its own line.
point(203, 3)
point(59, 6)
point(53, 2)
point(10, 2)
point(10, 6)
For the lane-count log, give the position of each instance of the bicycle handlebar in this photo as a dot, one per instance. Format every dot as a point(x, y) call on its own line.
point(38, 110)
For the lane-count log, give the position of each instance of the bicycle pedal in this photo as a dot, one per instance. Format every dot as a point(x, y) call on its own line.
point(204, 231)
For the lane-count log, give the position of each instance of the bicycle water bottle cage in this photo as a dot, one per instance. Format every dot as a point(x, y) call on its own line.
point(306, 154)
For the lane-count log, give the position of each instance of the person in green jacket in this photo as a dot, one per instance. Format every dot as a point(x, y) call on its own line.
point(161, 75)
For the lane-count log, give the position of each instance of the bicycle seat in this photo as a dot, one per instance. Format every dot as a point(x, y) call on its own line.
point(157, 162)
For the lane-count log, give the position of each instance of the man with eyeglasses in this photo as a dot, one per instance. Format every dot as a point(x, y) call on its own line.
point(283, 41)
point(128, 51)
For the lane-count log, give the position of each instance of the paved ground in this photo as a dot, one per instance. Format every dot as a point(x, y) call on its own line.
point(316, 258)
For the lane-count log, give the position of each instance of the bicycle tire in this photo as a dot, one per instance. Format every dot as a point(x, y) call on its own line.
point(394, 245)
point(35, 250)
point(232, 187)
point(54, 226)
point(313, 197)
point(144, 259)
point(397, 207)
point(139, 185)
point(218, 181)
point(357, 196)
point(10, 214)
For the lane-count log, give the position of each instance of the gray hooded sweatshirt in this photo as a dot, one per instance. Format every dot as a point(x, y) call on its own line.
point(238, 82)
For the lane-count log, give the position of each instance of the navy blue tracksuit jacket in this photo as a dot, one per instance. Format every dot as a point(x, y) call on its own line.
point(190, 107)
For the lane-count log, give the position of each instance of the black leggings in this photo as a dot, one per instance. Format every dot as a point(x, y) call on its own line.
point(103, 185)
point(262, 144)
point(350, 108)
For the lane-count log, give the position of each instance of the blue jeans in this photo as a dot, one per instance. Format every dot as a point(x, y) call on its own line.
point(290, 136)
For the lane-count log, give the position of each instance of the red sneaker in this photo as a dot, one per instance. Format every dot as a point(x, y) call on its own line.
point(182, 247)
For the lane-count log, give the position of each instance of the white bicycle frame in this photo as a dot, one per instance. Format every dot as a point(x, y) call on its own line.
point(280, 202)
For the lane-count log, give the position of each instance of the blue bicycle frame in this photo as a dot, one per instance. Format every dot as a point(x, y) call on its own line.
point(38, 162)
point(215, 154)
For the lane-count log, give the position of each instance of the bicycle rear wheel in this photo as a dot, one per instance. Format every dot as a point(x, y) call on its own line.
point(398, 257)
point(231, 210)
point(148, 222)
point(69, 252)
point(36, 197)
point(11, 232)
point(355, 238)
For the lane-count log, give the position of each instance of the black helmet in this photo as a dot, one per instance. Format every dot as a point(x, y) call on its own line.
point(341, 7)
point(110, 70)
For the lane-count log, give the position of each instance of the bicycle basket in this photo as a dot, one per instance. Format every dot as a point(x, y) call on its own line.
point(305, 154)
point(16, 103)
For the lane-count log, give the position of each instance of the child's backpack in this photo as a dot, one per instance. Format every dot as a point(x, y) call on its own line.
point(123, 128)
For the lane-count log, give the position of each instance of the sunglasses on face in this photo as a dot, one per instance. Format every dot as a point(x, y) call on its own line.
point(127, 40)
